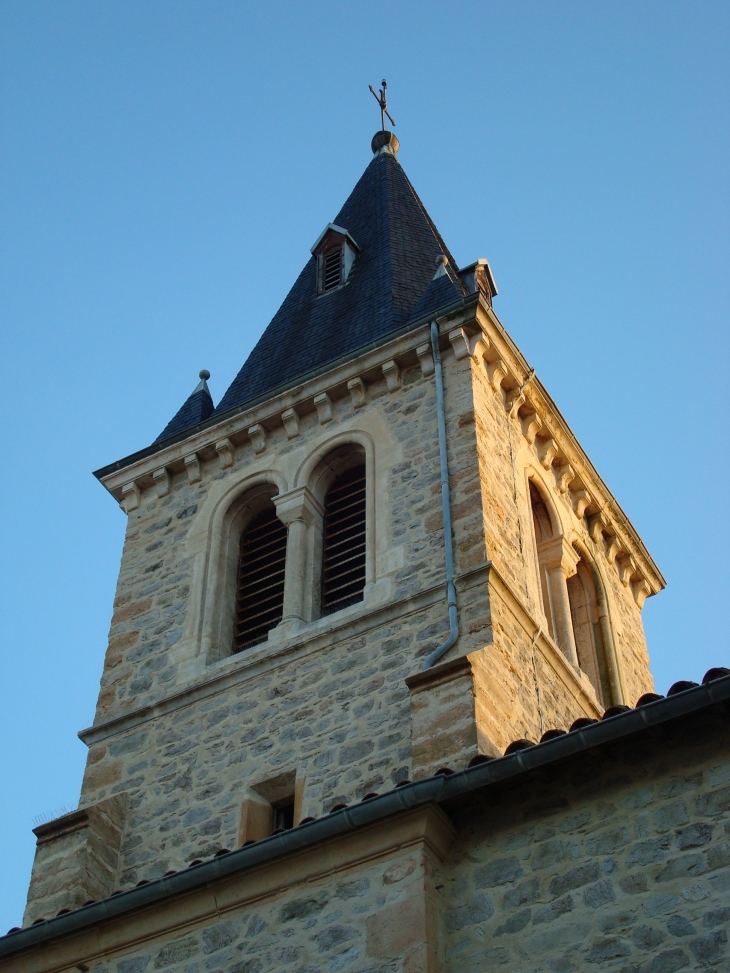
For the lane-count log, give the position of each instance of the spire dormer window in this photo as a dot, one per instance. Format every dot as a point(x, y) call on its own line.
point(334, 251)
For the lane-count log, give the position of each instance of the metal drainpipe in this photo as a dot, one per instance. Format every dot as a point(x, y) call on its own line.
point(445, 505)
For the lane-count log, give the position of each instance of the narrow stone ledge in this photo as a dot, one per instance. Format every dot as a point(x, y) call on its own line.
point(234, 669)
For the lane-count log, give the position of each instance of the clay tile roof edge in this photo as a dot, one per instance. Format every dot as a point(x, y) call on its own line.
point(437, 789)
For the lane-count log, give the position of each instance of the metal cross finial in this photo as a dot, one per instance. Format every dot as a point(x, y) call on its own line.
point(382, 101)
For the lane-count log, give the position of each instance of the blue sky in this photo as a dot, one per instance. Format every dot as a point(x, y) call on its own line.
point(165, 167)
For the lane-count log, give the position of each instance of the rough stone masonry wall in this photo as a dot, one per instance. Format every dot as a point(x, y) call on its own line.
point(628, 628)
point(617, 859)
point(470, 550)
point(76, 859)
point(340, 717)
point(156, 575)
point(620, 861)
point(506, 675)
point(371, 919)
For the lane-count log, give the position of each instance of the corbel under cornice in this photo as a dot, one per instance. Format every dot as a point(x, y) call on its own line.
point(381, 360)
point(472, 329)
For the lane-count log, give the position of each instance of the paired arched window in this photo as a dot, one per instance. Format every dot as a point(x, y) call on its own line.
point(260, 587)
point(328, 569)
point(569, 592)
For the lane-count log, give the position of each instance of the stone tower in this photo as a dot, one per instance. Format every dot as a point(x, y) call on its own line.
point(293, 629)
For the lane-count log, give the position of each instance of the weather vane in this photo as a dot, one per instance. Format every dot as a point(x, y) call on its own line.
point(382, 101)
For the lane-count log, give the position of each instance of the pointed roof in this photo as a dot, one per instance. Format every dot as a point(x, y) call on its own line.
point(398, 247)
point(445, 288)
point(197, 408)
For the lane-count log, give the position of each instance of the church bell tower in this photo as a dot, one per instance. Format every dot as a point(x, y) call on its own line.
point(381, 556)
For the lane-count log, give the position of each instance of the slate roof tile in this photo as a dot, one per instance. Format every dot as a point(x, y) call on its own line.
point(443, 290)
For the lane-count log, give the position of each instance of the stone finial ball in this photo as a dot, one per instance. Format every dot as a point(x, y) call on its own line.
point(442, 259)
point(204, 374)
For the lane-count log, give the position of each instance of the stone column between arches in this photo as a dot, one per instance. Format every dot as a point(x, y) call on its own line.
point(560, 561)
point(300, 511)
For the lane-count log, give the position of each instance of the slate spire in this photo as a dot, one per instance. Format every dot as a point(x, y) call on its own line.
point(386, 283)
point(197, 408)
point(398, 245)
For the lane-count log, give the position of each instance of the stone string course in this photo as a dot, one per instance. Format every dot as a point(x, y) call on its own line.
point(338, 927)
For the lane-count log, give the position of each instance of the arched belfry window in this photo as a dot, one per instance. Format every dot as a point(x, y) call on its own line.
point(260, 583)
point(587, 631)
point(343, 542)
point(571, 598)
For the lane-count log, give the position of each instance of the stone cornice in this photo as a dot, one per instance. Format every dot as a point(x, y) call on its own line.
point(483, 336)
point(239, 669)
point(504, 357)
point(334, 380)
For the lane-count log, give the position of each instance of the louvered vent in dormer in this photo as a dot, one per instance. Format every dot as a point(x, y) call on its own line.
point(335, 252)
point(331, 269)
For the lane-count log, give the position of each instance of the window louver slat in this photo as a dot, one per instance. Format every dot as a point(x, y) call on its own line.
point(332, 269)
point(260, 589)
point(343, 561)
